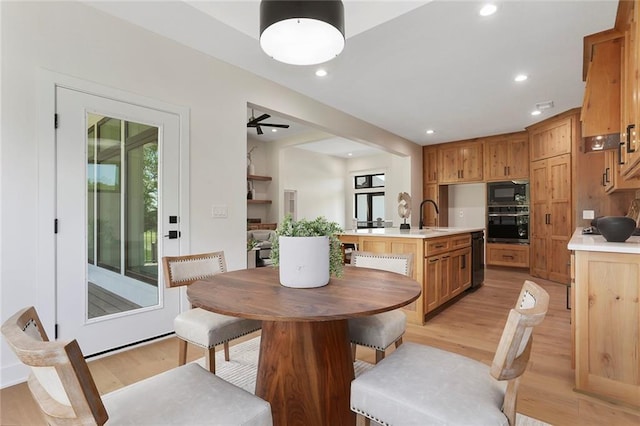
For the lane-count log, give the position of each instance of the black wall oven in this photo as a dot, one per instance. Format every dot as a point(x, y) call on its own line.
point(508, 212)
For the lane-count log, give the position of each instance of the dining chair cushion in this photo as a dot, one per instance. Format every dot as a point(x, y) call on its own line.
point(450, 389)
point(378, 331)
point(208, 329)
point(196, 397)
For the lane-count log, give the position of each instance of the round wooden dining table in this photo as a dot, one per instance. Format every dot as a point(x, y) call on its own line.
point(305, 367)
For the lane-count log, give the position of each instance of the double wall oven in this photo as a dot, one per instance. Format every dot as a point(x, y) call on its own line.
point(508, 212)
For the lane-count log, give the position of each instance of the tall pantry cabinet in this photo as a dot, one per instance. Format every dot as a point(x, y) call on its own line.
point(551, 201)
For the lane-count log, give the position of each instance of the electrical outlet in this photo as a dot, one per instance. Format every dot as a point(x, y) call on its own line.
point(588, 214)
point(219, 211)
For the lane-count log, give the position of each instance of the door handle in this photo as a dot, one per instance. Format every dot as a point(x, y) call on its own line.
point(172, 235)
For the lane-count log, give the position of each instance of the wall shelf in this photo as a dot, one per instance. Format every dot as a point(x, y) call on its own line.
point(258, 201)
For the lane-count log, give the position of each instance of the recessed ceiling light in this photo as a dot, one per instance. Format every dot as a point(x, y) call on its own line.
point(321, 73)
point(520, 77)
point(274, 130)
point(430, 132)
point(536, 112)
point(349, 154)
point(488, 9)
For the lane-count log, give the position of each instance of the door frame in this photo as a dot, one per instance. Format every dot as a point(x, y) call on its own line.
point(45, 255)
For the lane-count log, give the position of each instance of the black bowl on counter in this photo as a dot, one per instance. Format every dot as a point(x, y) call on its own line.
point(616, 229)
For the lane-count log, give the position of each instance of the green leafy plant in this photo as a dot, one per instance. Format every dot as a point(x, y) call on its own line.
point(319, 227)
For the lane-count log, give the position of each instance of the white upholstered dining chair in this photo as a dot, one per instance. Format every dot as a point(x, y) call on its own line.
point(381, 330)
point(422, 385)
point(64, 390)
point(198, 326)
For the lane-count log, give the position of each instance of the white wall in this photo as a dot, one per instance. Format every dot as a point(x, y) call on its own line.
point(74, 39)
point(318, 180)
point(467, 205)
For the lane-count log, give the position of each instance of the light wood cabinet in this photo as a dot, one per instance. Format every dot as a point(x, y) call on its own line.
point(430, 164)
point(612, 179)
point(506, 157)
point(630, 103)
point(442, 264)
point(601, 104)
point(460, 162)
point(550, 140)
point(551, 195)
point(606, 325)
point(514, 255)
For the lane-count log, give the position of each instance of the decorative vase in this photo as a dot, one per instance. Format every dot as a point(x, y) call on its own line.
point(304, 261)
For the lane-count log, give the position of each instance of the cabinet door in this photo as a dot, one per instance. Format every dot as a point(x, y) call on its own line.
point(430, 164)
point(444, 280)
point(460, 267)
point(539, 214)
point(551, 139)
point(496, 159)
point(518, 157)
point(449, 170)
point(471, 162)
point(432, 276)
point(560, 219)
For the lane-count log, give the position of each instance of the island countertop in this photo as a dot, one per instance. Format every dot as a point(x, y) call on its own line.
point(590, 242)
point(430, 232)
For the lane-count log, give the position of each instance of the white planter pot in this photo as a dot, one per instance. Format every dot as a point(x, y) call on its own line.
point(304, 261)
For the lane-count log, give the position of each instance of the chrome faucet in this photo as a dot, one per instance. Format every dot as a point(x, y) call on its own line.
point(421, 205)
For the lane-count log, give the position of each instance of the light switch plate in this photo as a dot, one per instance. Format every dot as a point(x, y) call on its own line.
point(219, 211)
point(588, 214)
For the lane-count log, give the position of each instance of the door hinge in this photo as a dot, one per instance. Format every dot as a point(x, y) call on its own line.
point(55, 226)
point(55, 331)
point(55, 121)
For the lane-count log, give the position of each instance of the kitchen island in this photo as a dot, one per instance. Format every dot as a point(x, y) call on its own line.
point(605, 317)
point(442, 259)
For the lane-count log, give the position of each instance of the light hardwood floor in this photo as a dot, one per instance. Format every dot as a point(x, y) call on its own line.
point(471, 326)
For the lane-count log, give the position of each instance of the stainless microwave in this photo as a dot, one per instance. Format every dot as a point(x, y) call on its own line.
point(508, 192)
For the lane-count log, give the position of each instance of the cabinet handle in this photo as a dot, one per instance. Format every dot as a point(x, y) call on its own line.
point(462, 174)
point(464, 262)
point(433, 260)
point(604, 176)
point(620, 160)
point(508, 170)
point(630, 132)
point(506, 256)
point(439, 246)
point(446, 257)
point(505, 170)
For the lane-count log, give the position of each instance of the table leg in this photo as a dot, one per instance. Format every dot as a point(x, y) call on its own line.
point(305, 371)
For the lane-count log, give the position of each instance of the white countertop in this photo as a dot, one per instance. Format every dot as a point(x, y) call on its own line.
point(429, 232)
point(588, 242)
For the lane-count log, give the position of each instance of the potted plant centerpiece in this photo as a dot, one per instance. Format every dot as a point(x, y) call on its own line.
point(307, 252)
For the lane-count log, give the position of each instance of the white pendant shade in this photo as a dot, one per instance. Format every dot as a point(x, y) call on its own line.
point(302, 41)
point(302, 32)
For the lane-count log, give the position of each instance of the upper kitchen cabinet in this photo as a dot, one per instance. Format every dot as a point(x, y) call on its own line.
point(460, 162)
point(506, 157)
point(430, 164)
point(601, 104)
point(628, 21)
point(552, 139)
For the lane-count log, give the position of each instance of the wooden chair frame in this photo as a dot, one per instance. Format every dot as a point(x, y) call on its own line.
point(73, 376)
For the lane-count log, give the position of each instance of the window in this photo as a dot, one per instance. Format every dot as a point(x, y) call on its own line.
point(369, 200)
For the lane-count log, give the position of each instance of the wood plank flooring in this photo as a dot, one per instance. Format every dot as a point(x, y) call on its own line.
point(472, 327)
point(103, 302)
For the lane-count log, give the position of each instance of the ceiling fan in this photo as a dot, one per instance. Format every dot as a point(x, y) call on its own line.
point(256, 122)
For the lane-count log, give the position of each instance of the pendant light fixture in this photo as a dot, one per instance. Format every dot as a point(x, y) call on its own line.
point(302, 32)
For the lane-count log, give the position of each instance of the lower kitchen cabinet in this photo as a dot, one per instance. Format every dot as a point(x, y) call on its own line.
point(442, 265)
point(516, 255)
point(606, 325)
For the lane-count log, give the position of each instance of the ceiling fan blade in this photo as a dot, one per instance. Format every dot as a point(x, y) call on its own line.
point(255, 121)
point(281, 126)
point(259, 129)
